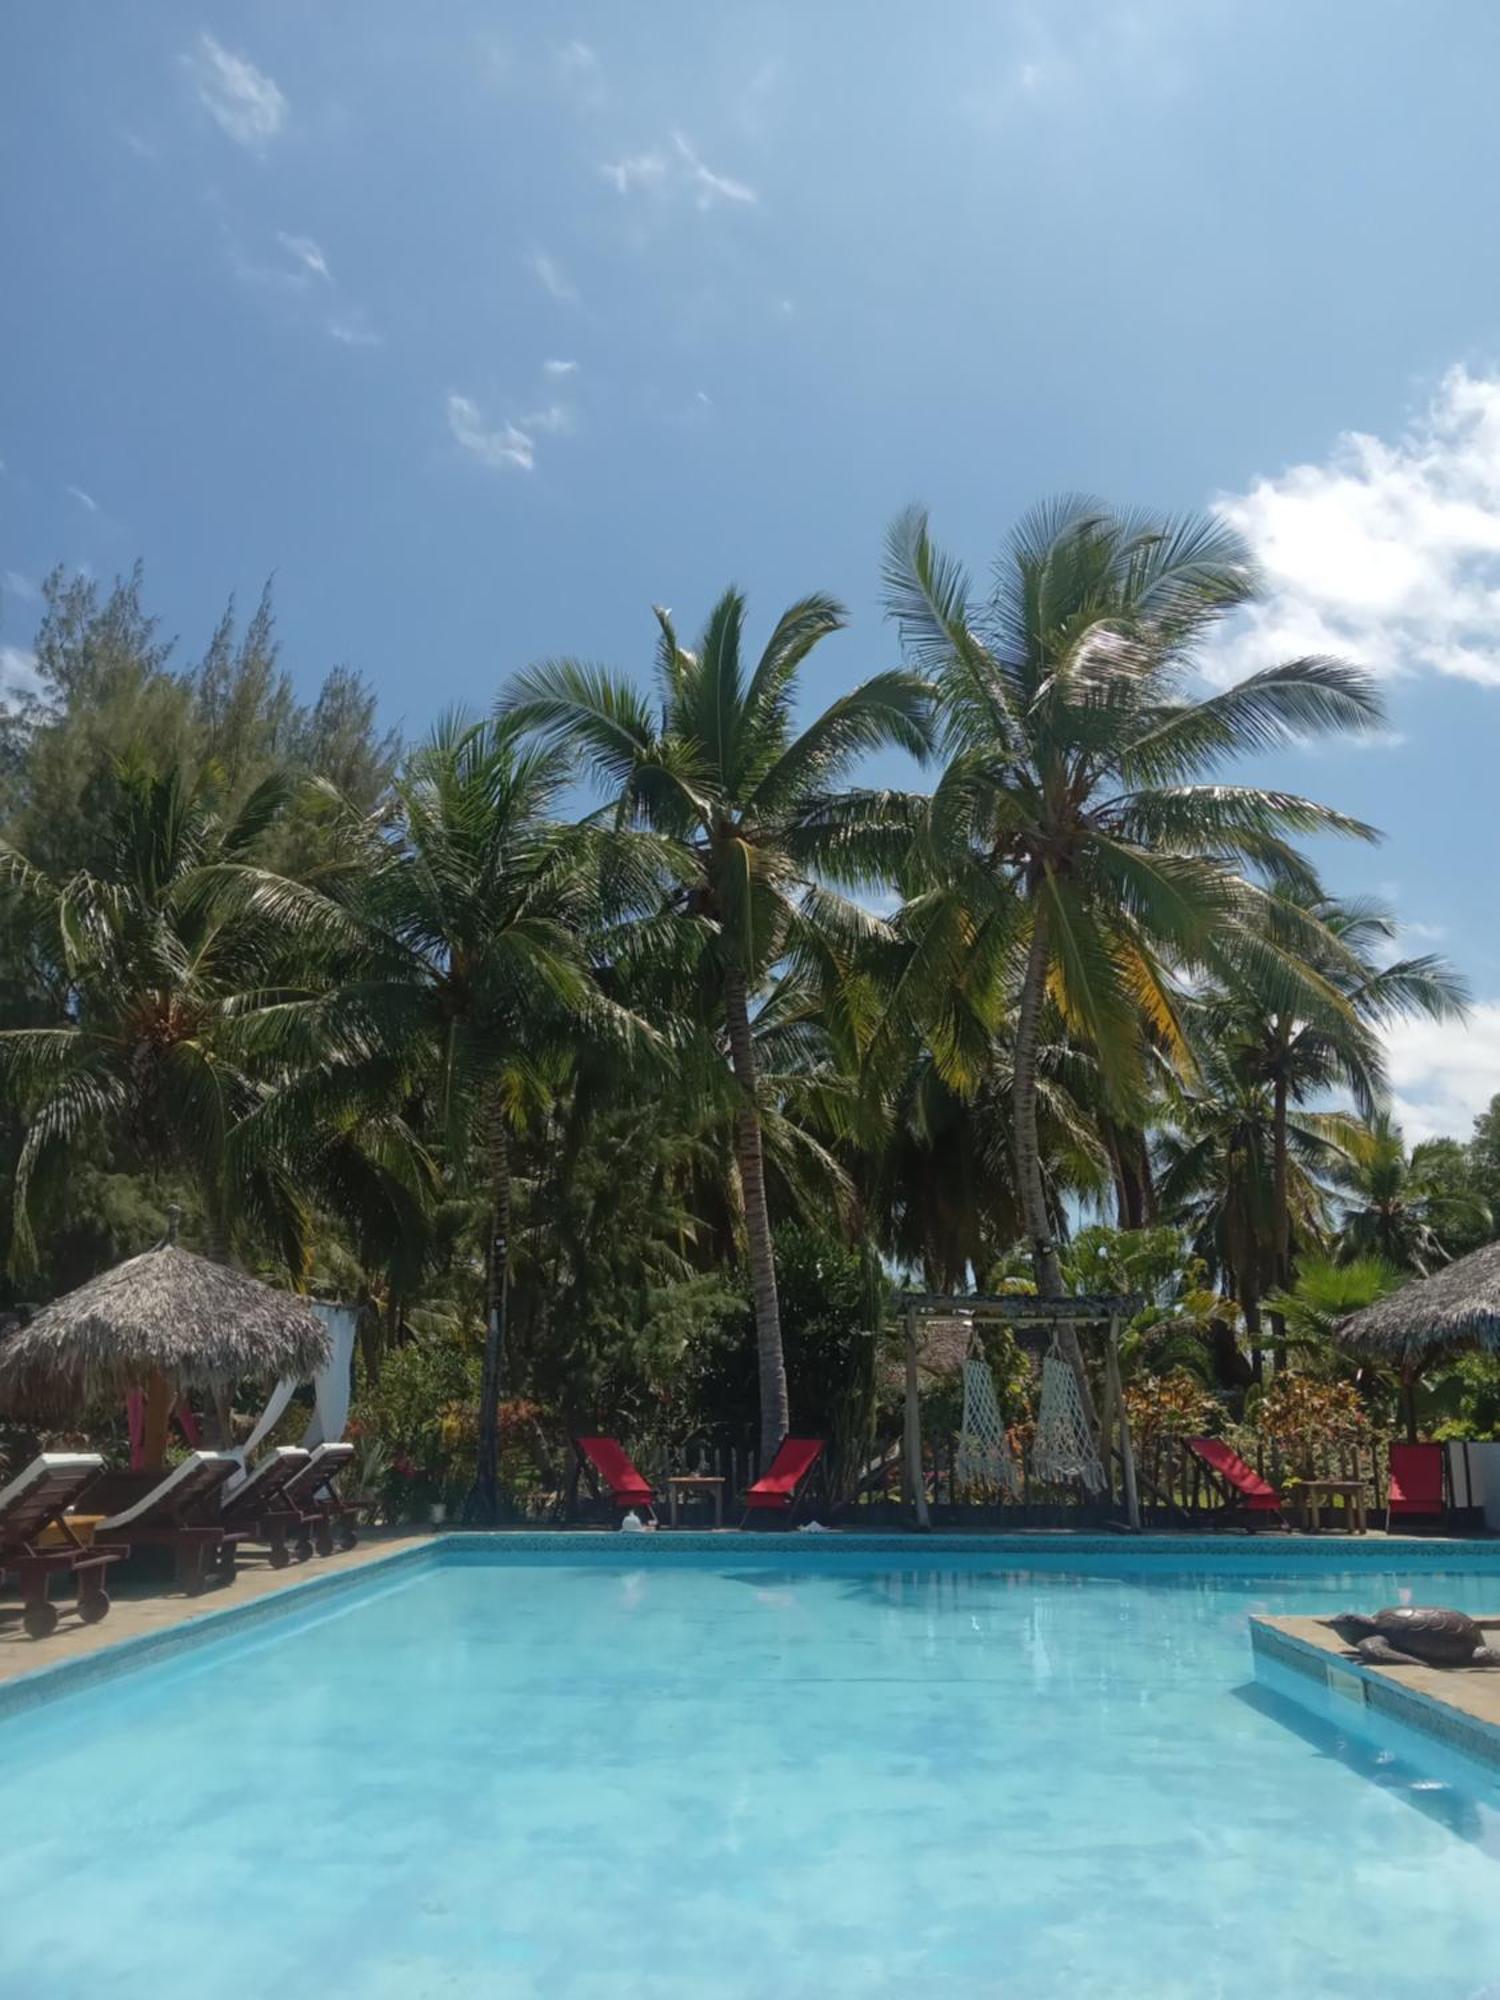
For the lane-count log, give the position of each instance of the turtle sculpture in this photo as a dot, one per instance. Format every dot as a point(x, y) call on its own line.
point(1408, 1635)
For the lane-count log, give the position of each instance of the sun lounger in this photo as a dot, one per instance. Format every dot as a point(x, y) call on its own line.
point(604, 1458)
point(1245, 1493)
point(33, 1506)
point(181, 1512)
point(1417, 1488)
point(782, 1490)
point(257, 1503)
point(324, 1515)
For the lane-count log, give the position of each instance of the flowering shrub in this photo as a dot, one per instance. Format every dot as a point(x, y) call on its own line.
point(1303, 1416)
point(1168, 1406)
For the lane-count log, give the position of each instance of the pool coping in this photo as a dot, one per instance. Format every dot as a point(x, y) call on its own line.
point(1458, 1707)
point(44, 1684)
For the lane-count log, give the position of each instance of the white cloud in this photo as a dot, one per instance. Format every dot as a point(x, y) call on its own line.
point(16, 585)
point(636, 170)
point(302, 250)
point(85, 500)
point(353, 329)
point(1443, 1074)
point(502, 446)
point(556, 420)
point(18, 673)
point(581, 72)
point(680, 171)
point(554, 279)
point(244, 101)
point(1384, 552)
point(559, 367)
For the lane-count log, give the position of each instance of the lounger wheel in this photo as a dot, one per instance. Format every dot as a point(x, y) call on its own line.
point(323, 1541)
point(304, 1549)
point(348, 1539)
point(281, 1556)
point(93, 1605)
point(40, 1619)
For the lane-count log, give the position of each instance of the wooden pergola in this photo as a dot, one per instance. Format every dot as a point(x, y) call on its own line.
point(1035, 1317)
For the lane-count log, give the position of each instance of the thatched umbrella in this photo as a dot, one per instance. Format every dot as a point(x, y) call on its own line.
point(165, 1322)
point(1456, 1308)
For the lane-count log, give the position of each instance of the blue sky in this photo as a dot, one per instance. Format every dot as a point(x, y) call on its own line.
point(485, 327)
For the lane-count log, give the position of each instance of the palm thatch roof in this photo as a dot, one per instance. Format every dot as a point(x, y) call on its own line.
point(167, 1313)
point(1457, 1307)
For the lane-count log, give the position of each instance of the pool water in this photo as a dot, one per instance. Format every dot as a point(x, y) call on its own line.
point(767, 1775)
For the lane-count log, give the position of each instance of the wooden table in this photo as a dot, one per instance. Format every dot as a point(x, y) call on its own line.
point(1352, 1491)
point(695, 1482)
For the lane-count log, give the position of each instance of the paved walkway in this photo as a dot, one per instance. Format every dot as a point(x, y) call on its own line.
point(1472, 1691)
point(141, 1607)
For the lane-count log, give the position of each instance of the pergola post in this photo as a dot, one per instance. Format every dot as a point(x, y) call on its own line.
point(1127, 1450)
point(915, 1477)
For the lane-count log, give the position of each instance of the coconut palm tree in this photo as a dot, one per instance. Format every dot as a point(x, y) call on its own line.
point(162, 966)
point(1068, 706)
point(764, 832)
point(1392, 1209)
point(476, 919)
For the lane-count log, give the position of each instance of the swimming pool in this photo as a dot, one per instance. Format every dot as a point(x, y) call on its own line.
point(775, 1770)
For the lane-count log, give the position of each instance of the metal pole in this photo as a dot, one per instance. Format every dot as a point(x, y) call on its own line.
point(914, 1474)
point(1127, 1452)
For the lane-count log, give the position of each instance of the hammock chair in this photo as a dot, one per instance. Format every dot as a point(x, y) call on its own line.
point(984, 1454)
point(1064, 1447)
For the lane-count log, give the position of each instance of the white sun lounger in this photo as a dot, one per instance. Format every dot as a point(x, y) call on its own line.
point(178, 1513)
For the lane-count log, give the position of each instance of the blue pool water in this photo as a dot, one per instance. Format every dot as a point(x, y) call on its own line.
point(768, 1775)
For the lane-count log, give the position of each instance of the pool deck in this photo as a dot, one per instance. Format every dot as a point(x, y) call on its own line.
point(1460, 1706)
point(144, 1610)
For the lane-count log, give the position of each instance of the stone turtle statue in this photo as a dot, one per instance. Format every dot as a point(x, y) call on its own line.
point(1407, 1635)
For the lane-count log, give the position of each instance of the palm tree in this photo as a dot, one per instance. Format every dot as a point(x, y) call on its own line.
point(1395, 1210)
point(477, 983)
point(163, 967)
point(1067, 705)
point(1306, 1044)
point(763, 831)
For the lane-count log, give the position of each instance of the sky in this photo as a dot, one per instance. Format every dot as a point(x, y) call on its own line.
point(483, 328)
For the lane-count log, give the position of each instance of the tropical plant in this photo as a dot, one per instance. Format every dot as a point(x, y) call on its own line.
point(1394, 1208)
point(1065, 820)
point(763, 835)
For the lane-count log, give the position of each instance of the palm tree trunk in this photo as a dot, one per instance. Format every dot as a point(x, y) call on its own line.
point(484, 1498)
point(1281, 1222)
point(1044, 1263)
point(775, 1409)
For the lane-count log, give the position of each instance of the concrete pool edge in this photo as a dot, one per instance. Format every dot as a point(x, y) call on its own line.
point(1458, 1708)
point(200, 1625)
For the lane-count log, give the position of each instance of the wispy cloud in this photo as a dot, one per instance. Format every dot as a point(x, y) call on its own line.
point(711, 187)
point(14, 584)
point(302, 250)
point(1443, 1073)
point(18, 674)
point(244, 102)
point(553, 277)
point(559, 367)
point(679, 171)
point(556, 420)
point(636, 170)
point(1386, 551)
point(85, 500)
point(353, 329)
point(581, 73)
point(499, 445)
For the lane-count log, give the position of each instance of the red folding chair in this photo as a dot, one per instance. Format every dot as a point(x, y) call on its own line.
point(1245, 1492)
point(606, 1459)
point(783, 1489)
point(1417, 1488)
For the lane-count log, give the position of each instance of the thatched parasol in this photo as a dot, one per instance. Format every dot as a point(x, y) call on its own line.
point(165, 1322)
point(1457, 1307)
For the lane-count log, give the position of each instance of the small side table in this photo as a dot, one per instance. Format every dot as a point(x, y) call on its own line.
point(1351, 1491)
point(679, 1483)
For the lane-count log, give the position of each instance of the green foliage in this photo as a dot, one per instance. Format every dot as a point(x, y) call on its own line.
point(422, 1415)
point(1170, 1406)
point(1301, 1415)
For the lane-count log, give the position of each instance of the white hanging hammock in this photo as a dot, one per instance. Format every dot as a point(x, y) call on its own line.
point(1064, 1446)
point(984, 1454)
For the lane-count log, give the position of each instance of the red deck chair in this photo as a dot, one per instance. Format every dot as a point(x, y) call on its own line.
point(785, 1484)
point(1247, 1493)
point(1417, 1484)
point(607, 1459)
